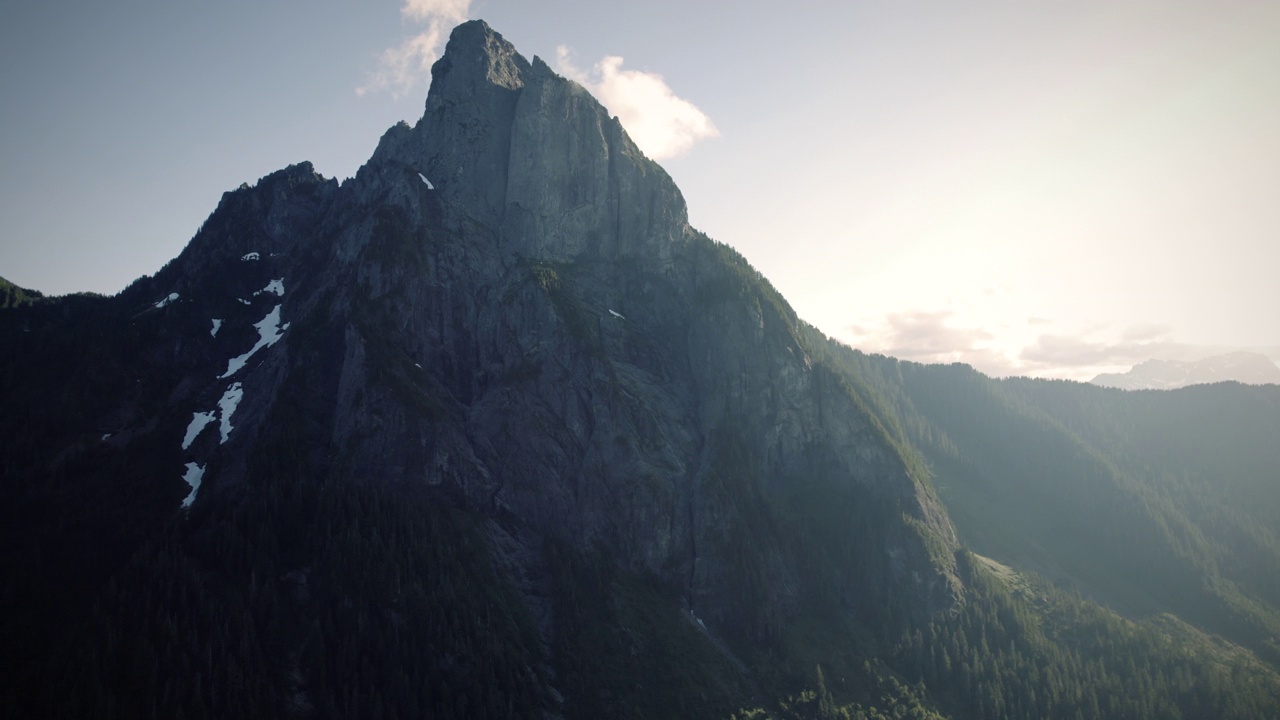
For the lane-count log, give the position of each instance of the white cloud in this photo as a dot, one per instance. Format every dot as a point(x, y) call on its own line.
point(931, 337)
point(1090, 355)
point(402, 67)
point(661, 123)
point(454, 10)
point(943, 336)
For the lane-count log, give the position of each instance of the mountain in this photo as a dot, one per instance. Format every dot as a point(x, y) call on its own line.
point(1245, 367)
point(1147, 502)
point(489, 430)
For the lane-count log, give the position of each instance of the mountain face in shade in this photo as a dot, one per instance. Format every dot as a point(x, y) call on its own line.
point(1245, 367)
point(489, 430)
point(505, 314)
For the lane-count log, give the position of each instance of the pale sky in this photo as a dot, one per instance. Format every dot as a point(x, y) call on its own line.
point(1054, 188)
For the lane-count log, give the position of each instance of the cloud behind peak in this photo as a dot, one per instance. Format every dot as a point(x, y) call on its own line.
point(402, 67)
point(663, 124)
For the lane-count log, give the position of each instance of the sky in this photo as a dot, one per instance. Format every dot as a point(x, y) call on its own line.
point(1053, 188)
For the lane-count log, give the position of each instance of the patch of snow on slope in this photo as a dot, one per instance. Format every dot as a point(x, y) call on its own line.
point(275, 286)
point(166, 301)
point(426, 182)
point(249, 256)
point(246, 302)
point(227, 405)
point(193, 476)
point(269, 331)
point(198, 423)
point(616, 314)
point(217, 325)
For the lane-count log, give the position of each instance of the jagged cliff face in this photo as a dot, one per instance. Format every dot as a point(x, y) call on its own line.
point(595, 350)
point(507, 309)
point(534, 158)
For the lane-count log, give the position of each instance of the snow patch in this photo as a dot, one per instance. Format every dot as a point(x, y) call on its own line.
point(166, 301)
point(243, 301)
point(616, 314)
point(249, 256)
point(193, 476)
point(269, 331)
point(426, 182)
point(198, 423)
point(217, 325)
point(275, 286)
point(106, 437)
point(227, 405)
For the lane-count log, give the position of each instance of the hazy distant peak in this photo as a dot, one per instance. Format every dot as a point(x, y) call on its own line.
point(1246, 367)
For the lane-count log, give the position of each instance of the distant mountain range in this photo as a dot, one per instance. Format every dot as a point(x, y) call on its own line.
point(1246, 367)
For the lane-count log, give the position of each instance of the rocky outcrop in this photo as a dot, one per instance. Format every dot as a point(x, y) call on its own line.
point(578, 185)
point(512, 146)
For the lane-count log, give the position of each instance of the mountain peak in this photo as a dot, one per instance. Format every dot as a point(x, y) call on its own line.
point(514, 146)
point(477, 52)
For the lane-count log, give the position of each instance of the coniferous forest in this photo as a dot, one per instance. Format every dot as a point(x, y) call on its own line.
point(1127, 571)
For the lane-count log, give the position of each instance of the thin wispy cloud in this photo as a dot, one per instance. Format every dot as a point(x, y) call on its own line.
point(428, 9)
point(1146, 331)
point(932, 337)
point(663, 124)
point(402, 67)
point(924, 336)
point(1136, 344)
point(942, 336)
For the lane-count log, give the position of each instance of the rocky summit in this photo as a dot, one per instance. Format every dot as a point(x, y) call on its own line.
point(489, 430)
